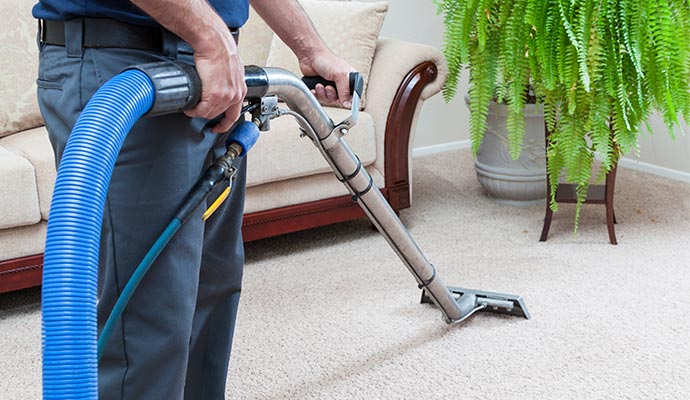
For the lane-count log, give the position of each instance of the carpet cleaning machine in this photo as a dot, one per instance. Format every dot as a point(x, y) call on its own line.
point(70, 348)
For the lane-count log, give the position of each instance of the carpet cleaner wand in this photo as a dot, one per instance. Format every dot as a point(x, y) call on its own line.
point(456, 304)
point(70, 273)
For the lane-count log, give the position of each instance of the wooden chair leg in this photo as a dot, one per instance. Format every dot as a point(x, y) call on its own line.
point(549, 213)
point(610, 214)
point(547, 223)
point(609, 223)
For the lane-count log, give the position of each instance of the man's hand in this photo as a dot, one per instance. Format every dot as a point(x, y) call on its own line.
point(293, 26)
point(215, 54)
point(332, 68)
point(222, 84)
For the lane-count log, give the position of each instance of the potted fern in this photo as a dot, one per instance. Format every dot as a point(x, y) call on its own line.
point(598, 67)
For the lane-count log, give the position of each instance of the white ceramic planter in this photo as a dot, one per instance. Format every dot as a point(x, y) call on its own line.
point(508, 181)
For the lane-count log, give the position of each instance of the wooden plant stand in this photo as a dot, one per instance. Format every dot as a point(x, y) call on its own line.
point(596, 194)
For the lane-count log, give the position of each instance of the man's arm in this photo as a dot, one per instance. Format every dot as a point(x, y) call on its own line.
point(289, 21)
point(215, 54)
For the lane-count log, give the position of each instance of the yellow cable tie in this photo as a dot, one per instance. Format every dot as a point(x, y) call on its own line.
point(216, 204)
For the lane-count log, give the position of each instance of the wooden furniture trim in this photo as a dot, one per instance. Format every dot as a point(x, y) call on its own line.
point(398, 130)
point(264, 224)
point(26, 272)
point(21, 273)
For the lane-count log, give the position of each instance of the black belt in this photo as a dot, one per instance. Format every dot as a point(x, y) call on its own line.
point(106, 32)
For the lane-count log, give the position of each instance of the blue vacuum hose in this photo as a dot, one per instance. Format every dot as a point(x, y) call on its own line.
point(70, 271)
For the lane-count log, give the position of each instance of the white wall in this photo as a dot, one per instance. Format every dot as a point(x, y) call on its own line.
point(661, 154)
point(444, 123)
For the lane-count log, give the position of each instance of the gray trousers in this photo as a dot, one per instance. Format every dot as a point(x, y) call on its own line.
point(174, 338)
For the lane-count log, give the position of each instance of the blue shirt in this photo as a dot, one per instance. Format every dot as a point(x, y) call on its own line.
point(233, 12)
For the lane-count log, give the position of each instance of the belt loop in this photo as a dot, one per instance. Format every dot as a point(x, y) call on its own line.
point(39, 34)
point(74, 35)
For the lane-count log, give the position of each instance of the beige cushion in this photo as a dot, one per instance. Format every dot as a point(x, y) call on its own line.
point(34, 146)
point(281, 154)
point(18, 194)
point(22, 241)
point(299, 190)
point(350, 29)
point(18, 67)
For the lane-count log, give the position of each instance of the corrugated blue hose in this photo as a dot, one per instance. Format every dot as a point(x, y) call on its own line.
point(70, 271)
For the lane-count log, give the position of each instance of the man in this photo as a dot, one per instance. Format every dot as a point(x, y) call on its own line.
point(174, 339)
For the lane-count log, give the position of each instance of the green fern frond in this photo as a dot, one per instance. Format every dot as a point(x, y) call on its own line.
point(662, 32)
point(581, 9)
point(629, 17)
point(481, 91)
point(550, 111)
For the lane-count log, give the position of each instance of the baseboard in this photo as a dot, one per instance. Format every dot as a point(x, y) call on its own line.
point(655, 169)
point(441, 148)
point(623, 162)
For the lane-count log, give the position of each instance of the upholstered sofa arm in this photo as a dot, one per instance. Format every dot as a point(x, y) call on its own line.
point(403, 75)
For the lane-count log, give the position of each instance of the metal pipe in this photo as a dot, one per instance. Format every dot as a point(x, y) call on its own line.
point(344, 163)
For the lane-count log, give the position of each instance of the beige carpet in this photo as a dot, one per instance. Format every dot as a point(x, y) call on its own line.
point(332, 314)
